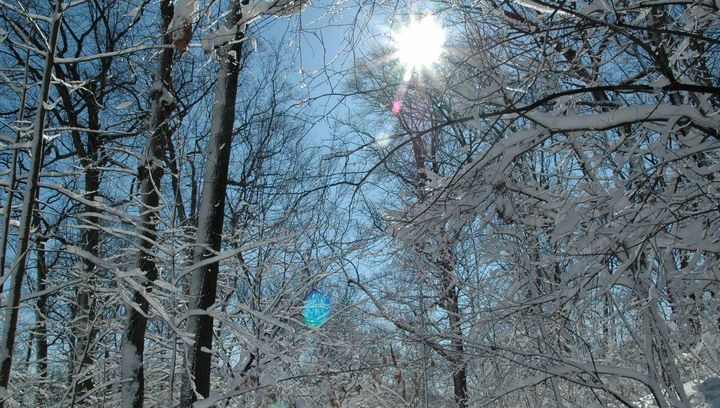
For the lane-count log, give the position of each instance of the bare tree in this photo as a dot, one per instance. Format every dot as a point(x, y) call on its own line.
point(11, 308)
point(211, 213)
point(149, 177)
point(572, 132)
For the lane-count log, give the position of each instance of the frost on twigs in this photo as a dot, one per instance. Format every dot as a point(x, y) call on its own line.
point(277, 8)
point(250, 12)
point(288, 8)
point(217, 38)
point(162, 93)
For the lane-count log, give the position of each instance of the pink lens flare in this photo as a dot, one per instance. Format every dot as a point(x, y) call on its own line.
point(396, 106)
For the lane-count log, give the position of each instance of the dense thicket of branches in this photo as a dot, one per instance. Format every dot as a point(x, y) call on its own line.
point(532, 221)
point(562, 167)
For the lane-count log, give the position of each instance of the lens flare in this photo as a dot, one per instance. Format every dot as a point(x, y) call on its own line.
point(316, 310)
point(396, 106)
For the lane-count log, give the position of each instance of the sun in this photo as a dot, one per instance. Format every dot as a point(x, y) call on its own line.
point(419, 44)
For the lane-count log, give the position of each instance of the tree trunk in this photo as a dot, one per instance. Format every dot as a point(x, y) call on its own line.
point(444, 263)
point(450, 302)
point(13, 303)
point(203, 283)
point(41, 325)
point(89, 155)
point(150, 175)
point(85, 311)
point(174, 167)
point(7, 212)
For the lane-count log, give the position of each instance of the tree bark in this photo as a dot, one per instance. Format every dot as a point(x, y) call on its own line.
point(85, 311)
point(41, 325)
point(7, 212)
point(203, 283)
point(150, 175)
point(13, 304)
point(450, 302)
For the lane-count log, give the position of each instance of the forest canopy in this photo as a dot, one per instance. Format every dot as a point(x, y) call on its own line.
point(285, 203)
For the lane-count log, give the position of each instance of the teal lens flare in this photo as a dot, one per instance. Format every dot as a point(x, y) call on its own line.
point(316, 309)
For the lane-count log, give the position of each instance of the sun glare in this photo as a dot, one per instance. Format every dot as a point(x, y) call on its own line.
point(419, 44)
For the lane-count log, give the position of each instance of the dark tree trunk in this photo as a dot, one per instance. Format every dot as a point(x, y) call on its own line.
point(460, 385)
point(86, 302)
point(450, 303)
point(41, 342)
point(203, 283)
point(84, 310)
point(4, 233)
point(149, 176)
point(12, 307)
point(443, 261)
point(180, 213)
point(90, 160)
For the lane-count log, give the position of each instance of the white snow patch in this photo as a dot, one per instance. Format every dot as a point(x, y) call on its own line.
point(267, 380)
point(217, 38)
point(123, 105)
point(185, 14)
point(134, 12)
point(130, 363)
point(539, 7)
